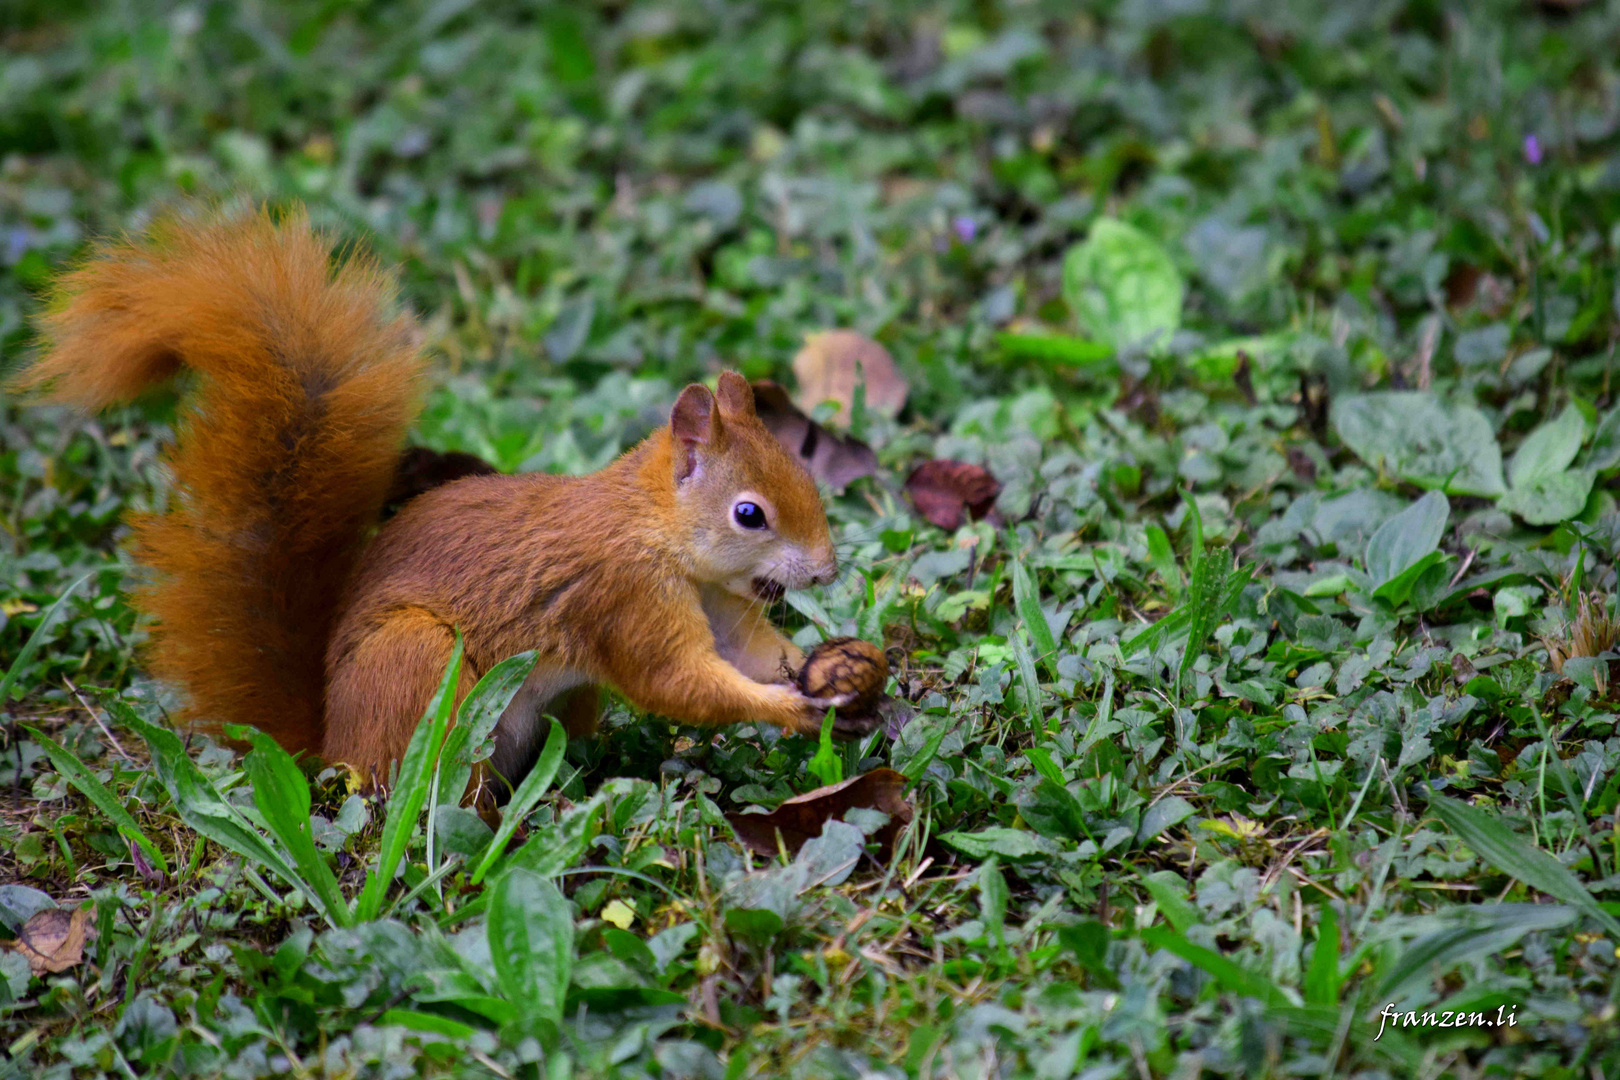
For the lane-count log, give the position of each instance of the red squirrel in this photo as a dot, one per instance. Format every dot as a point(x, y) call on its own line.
point(277, 601)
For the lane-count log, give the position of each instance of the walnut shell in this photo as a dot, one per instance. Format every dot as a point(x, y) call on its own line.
point(845, 665)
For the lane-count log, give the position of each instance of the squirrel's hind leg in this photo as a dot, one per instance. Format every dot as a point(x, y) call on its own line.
point(376, 695)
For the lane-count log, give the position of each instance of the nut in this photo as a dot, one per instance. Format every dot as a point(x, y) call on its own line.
point(845, 665)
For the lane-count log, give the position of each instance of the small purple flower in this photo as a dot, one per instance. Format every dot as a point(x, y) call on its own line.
point(965, 228)
point(18, 241)
point(1532, 150)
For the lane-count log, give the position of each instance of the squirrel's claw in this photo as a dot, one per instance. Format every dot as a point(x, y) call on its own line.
point(845, 725)
point(854, 727)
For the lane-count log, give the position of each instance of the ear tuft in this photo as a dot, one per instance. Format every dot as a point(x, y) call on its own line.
point(735, 395)
point(692, 423)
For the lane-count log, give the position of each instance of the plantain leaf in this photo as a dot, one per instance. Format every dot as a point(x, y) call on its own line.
point(282, 795)
point(200, 803)
point(410, 791)
point(531, 942)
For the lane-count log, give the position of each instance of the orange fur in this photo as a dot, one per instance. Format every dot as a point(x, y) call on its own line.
point(270, 608)
point(307, 384)
point(610, 577)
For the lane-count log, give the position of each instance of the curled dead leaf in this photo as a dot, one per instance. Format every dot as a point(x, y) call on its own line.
point(943, 491)
point(834, 460)
point(52, 940)
point(833, 363)
point(802, 817)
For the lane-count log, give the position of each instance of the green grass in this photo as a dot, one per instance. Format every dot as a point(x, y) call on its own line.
point(1289, 332)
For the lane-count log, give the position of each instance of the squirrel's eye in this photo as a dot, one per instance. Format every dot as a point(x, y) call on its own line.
point(748, 515)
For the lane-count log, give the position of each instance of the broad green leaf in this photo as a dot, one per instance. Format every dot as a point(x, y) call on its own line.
point(1490, 838)
point(1171, 899)
point(1604, 453)
point(1415, 436)
point(1044, 765)
point(1122, 286)
point(1405, 540)
point(1544, 489)
point(1548, 450)
point(760, 924)
point(526, 797)
point(1001, 841)
point(1229, 974)
point(1547, 500)
point(531, 942)
point(416, 770)
point(1168, 811)
point(1399, 589)
point(68, 764)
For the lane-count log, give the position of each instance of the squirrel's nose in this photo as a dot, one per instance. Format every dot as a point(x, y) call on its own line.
point(827, 572)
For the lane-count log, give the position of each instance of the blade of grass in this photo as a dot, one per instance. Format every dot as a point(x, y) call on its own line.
point(827, 765)
point(1227, 973)
point(1034, 700)
point(76, 773)
point(38, 637)
point(1322, 978)
point(1204, 591)
point(1491, 839)
point(525, 798)
point(1027, 599)
point(1163, 559)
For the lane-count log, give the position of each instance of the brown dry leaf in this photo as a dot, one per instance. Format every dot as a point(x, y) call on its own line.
point(801, 818)
point(52, 940)
point(834, 362)
point(944, 490)
point(834, 460)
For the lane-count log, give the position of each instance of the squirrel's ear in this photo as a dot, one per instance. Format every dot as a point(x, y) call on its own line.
point(692, 424)
point(735, 395)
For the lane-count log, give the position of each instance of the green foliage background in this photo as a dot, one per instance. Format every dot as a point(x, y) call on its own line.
point(1288, 328)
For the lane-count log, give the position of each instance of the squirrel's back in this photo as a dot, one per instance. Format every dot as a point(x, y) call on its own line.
point(307, 381)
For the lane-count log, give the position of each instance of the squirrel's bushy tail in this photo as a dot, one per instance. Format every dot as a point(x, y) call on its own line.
point(306, 383)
